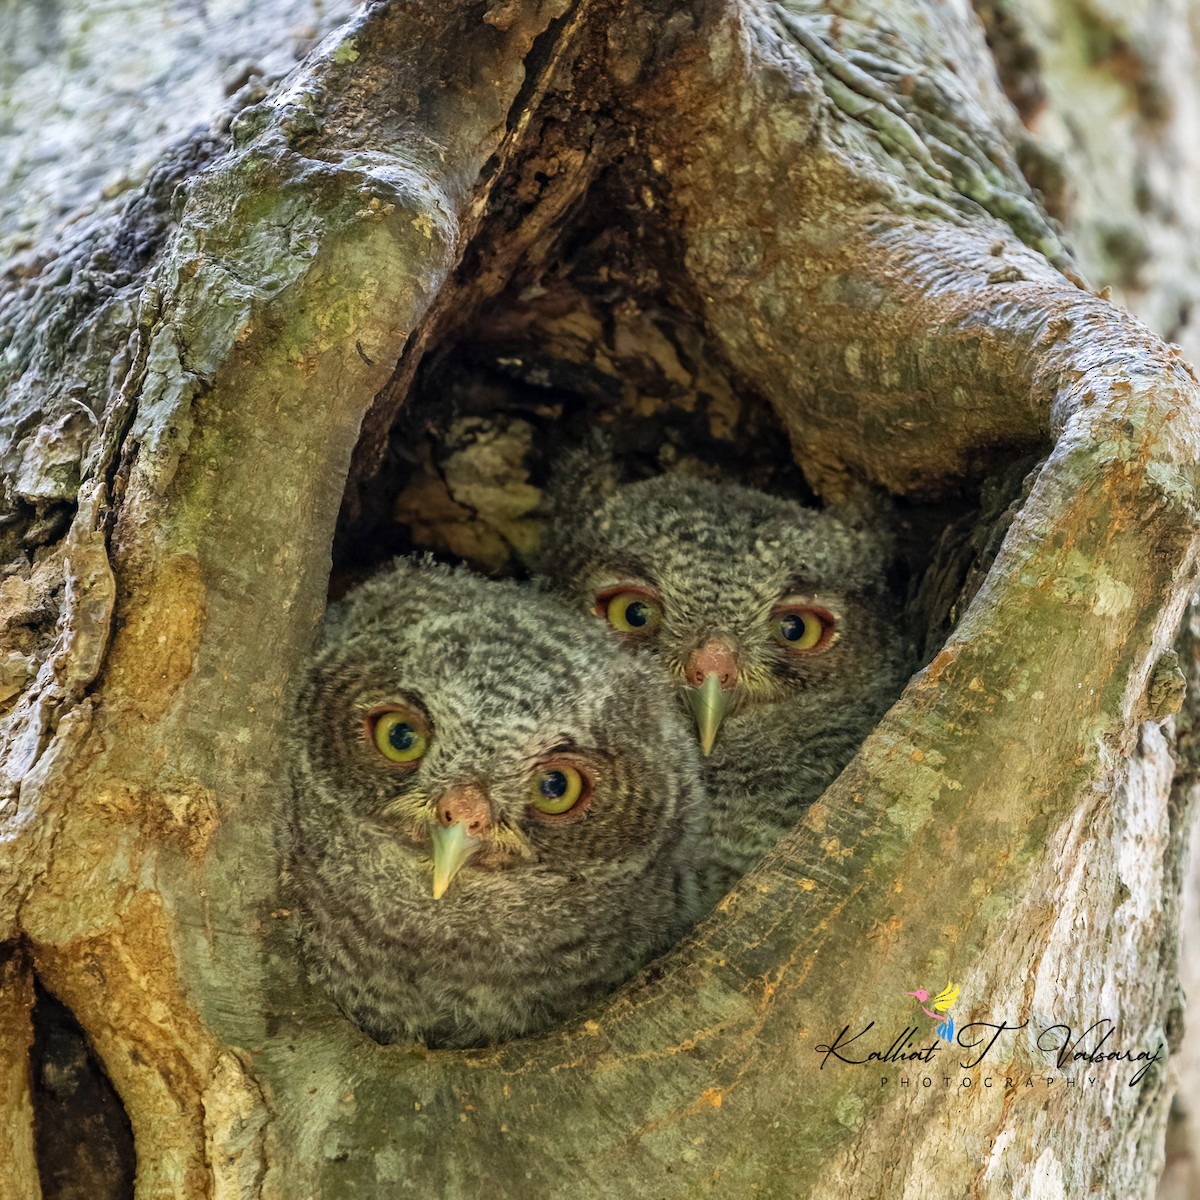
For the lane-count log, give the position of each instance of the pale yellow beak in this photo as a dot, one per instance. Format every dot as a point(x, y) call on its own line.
point(709, 703)
point(452, 846)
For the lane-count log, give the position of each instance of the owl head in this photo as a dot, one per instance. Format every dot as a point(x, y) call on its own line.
point(504, 808)
point(746, 599)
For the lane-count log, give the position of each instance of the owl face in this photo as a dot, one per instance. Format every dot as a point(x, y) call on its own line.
point(505, 805)
point(746, 600)
point(504, 723)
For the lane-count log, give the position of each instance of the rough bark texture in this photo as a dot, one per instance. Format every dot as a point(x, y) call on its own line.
point(1109, 99)
point(1108, 95)
point(92, 94)
point(829, 221)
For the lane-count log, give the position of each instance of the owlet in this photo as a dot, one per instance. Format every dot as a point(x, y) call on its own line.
point(774, 623)
point(496, 814)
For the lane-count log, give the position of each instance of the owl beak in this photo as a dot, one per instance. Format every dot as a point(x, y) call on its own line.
point(709, 703)
point(464, 818)
point(452, 846)
point(712, 674)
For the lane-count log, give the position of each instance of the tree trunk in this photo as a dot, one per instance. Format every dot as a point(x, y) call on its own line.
point(713, 223)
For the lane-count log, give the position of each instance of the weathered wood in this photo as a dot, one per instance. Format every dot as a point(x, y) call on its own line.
point(18, 1168)
point(869, 258)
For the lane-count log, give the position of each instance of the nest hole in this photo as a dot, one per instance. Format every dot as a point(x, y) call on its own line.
point(554, 346)
point(570, 340)
point(82, 1136)
point(571, 316)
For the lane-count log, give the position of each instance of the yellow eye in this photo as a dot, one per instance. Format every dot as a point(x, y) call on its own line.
point(803, 627)
point(399, 736)
point(558, 788)
point(631, 611)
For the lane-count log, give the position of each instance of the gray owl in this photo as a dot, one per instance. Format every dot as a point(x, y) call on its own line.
point(773, 621)
point(496, 814)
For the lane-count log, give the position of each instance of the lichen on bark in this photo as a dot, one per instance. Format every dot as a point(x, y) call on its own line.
point(704, 228)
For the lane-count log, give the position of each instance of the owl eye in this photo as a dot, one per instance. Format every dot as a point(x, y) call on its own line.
point(803, 627)
point(635, 611)
point(559, 788)
point(400, 735)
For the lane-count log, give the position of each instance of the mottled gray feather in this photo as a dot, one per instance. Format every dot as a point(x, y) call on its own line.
point(506, 677)
point(721, 557)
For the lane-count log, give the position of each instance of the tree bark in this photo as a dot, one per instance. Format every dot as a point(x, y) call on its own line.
point(831, 207)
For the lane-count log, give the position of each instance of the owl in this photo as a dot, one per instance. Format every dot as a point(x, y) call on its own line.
point(496, 815)
point(773, 621)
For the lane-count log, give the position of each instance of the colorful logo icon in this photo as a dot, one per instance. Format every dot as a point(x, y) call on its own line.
point(942, 1003)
